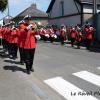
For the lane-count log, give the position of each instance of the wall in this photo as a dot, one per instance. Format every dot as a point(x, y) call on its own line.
point(98, 26)
point(74, 20)
point(69, 8)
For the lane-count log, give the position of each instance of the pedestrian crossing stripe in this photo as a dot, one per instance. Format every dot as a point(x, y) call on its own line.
point(98, 67)
point(68, 90)
point(90, 77)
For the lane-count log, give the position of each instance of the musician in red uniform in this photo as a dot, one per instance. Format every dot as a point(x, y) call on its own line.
point(20, 30)
point(72, 36)
point(78, 38)
point(4, 40)
point(28, 43)
point(6, 35)
point(89, 36)
point(13, 42)
point(62, 34)
point(51, 33)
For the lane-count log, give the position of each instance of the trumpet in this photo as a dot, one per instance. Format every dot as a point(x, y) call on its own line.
point(32, 28)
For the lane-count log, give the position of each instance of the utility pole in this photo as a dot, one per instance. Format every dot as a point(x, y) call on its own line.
point(94, 13)
point(8, 8)
point(95, 16)
point(94, 7)
point(8, 17)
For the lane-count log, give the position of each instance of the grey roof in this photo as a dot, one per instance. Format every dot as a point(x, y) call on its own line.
point(8, 17)
point(33, 12)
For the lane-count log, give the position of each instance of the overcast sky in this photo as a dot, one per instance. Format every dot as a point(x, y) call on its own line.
point(17, 6)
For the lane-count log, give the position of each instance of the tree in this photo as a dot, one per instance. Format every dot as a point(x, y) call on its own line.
point(3, 5)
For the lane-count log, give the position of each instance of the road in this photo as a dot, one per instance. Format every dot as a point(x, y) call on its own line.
point(61, 73)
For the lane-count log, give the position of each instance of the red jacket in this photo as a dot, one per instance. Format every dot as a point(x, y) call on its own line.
point(13, 36)
point(62, 33)
point(72, 34)
point(8, 34)
point(89, 35)
point(78, 37)
point(26, 39)
point(3, 32)
point(51, 32)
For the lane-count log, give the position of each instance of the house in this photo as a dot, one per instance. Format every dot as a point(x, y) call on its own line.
point(7, 19)
point(70, 12)
point(36, 15)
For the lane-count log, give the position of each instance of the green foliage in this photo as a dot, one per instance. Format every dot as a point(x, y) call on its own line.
point(3, 5)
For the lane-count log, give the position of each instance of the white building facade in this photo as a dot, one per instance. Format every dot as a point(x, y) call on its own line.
point(70, 12)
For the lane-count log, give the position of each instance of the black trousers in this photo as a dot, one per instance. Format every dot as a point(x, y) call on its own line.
point(62, 40)
point(78, 44)
point(9, 45)
point(29, 58)
point(21, 52)
point(88, 43)
point(72, 41)
point(14, 49)
point(4, 43)
point(51, 39)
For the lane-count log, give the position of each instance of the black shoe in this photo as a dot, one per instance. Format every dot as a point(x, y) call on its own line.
point(28, 72)
point(22, 62)
point(14, 58)
point(32, 70)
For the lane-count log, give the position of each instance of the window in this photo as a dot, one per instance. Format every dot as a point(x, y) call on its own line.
point(61, 8)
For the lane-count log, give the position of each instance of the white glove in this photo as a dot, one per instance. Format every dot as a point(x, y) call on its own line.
point(47, 35)
point(29, 27)
point(38, 37)
point(55, 36)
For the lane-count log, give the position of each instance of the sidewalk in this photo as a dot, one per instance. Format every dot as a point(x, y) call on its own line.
point(96, 45)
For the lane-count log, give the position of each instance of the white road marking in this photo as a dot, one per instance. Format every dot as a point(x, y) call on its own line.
point(68, 90)
point(90, 77)
point(98, 67)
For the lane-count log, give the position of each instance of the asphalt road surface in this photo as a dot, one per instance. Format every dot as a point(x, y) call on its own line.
point(61, 73)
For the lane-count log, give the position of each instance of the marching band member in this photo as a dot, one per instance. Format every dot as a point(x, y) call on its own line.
point(89, 37)
point(72, 36)
point(78, 38)
point(62, 34)
point(45, 34)
point(51, 34)
point(13, 41)
point(28, 43)
point(20, 31)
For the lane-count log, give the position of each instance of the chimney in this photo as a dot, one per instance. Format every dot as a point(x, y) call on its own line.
point(34, 6)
